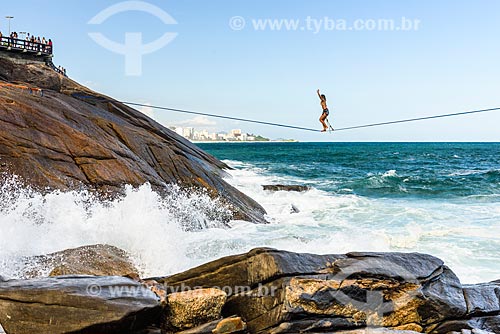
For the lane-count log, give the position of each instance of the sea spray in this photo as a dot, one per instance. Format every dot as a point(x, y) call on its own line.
point(152, 228)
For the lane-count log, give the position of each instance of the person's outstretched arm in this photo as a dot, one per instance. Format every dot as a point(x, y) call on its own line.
point(319, 95)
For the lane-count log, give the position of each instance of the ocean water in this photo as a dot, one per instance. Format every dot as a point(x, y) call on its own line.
point(442, 199)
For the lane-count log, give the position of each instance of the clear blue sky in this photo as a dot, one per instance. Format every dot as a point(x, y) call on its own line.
point(449, 64)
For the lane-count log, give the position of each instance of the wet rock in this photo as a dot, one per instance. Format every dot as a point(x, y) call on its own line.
point(283, 187)
point(74, 138)
point(482, 298)
point(249, 269)
point(96, 260)
point(76, 304)
point(288, 292)
point(230, 325)
point(192, 308)
point(221, 326)
point(489, 324)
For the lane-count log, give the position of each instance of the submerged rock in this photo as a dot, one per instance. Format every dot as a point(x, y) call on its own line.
point(282, 187)
point(73, 137)
point(78, 304)
point(96, 260)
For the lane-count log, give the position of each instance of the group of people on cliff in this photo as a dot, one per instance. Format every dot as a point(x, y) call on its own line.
point(29, 43)
point(61, 70)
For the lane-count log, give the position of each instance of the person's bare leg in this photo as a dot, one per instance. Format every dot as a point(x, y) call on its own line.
point(322, 120)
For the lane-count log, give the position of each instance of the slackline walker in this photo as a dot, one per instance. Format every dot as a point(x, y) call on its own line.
point(310, 129)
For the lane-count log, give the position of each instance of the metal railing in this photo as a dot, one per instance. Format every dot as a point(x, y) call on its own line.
point(9, 43)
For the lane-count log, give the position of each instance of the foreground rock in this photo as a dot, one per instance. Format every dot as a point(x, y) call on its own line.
point(73, 137)
point(223, 326)
point(282, 187)
point(193, 308)
point(96, 260)
point(282, 292)
point(79, 304)
point(263, 291)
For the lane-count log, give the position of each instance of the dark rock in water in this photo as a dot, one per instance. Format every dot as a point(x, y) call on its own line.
point(79, 304)
point(96, 260)
point(293, 209)
point(283, 292)
point(73, 137)
point(282, 187)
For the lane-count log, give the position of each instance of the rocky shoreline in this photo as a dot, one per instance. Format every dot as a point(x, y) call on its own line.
point(262, 291)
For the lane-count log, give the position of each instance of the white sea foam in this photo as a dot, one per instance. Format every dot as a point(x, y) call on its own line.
point(151, 228)
point(390, 173)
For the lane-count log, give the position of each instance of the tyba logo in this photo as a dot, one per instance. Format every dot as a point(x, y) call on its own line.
point(133, 49)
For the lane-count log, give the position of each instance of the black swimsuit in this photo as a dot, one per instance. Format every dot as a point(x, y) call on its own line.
point(326, 111)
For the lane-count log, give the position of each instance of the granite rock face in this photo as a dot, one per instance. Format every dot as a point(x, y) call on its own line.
point(76, 304)
point(72, 137)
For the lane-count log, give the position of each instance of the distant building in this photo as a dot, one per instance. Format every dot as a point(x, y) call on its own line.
point(203, 135)
point(188, 132)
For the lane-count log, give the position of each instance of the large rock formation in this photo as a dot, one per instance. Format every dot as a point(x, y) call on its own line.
point(271, 291)
point(283, 292)
point(72, 137)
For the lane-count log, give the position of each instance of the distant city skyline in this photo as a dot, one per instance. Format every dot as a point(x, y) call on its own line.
point(194, 134)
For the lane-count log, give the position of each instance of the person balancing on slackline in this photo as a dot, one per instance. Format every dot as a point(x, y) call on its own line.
point(326, 112)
